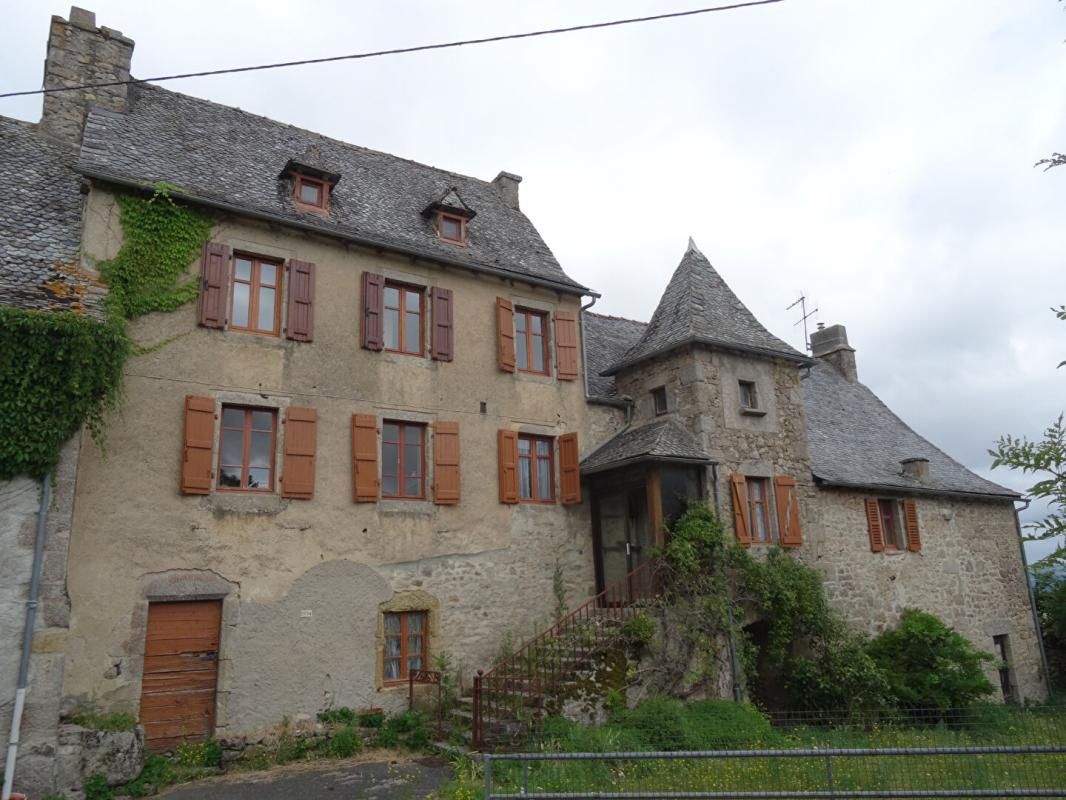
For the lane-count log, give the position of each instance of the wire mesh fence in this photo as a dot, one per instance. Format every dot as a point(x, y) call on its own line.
point(978, 752)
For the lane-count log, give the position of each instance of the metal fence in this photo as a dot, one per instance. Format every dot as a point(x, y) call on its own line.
point(994, 771)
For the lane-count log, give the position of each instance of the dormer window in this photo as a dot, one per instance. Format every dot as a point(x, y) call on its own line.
point(311, 193)
point(451, 228)
point(449, 216)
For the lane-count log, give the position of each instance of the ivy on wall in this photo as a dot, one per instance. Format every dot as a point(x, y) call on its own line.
point(62, 370)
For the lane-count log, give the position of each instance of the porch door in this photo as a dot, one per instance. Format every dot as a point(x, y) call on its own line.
point(180, 672)
point(625, 534)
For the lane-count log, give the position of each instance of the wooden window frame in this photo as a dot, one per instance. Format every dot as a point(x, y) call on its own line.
point(404, 653)
point(401, 480)
point(460, 221)
point(552, 499)
point(752, 393)
point(755, 506)
point(246, 446)
point(659, 394)
point(894, 540)
point(528, 313)
point(404, 289)
point(323, 193)
point(254, 285)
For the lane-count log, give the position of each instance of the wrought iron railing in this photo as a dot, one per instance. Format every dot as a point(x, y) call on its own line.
point(509, 699)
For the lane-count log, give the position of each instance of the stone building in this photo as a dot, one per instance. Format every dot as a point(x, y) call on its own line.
point(388, 427)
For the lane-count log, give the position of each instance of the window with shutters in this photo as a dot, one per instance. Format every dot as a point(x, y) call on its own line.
point(255, 298)
point(403, 461)
point(658, 399)
point(451, 228)
point(536, 469)
point(531, 341)
point(246, 449)
point(310, 193)
point(406, 644)
point(758, 490)
point(892, 524)
point(403, 319)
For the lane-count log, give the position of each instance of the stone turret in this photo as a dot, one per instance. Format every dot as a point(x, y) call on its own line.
point(81, 53)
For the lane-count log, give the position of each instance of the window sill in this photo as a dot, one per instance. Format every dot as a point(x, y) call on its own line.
point(237, 502)
point(753, 412)
point(534, 377)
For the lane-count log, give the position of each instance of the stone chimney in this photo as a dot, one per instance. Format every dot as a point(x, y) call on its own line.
point(832, 345)
point(506, 184)
point(916, 468)
point(80, 53)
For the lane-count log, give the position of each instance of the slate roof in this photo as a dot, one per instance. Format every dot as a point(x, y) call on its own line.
point(40, 224)
point(698, 306)
point(856, 440)
point(218, 154)
point(606, 341)
point(663, 440)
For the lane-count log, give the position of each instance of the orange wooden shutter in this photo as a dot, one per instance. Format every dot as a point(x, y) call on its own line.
point(442, 341)
point(569, 469)
point(507, 446)
point(910, 519)
point(365, 481)
point(198, 446)
point(300, 321)
point(446, 483)
point(873, 525)
point(373, 321)
point(211, 304)
point(298, 465)
point(566, 345)
point(788, 515)
point(505, 334)
point(740, 509)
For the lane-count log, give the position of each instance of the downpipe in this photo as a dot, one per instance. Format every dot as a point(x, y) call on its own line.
point(27, 635)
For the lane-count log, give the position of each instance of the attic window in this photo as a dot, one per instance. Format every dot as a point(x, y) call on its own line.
point(451, 228)
point(311, 193)
point(748, 398)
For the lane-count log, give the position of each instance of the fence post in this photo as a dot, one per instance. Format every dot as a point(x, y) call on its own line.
point(475, 727)
point(829, 771)
point(487, 762)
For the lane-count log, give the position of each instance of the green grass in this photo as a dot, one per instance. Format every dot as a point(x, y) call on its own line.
point(116, 721)
point(727, 726)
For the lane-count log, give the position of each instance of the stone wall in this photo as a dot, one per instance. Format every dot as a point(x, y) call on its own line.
point(19, 503)
point(304, 582)
point(968, 572)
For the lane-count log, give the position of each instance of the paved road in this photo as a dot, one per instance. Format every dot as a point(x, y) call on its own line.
point(369, 781)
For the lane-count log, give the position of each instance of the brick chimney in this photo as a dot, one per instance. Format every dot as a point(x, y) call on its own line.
point(831, 344)
point(81, 53)
point(506, 184)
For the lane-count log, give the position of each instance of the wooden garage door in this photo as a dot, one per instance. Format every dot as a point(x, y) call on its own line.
point(180, 672)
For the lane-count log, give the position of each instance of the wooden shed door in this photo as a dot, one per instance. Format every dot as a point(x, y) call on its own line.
point(180, 672)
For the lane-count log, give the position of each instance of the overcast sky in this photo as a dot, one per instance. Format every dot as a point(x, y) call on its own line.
point(875, 156)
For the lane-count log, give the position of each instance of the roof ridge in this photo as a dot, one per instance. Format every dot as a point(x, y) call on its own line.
point(615, 317)
point(324, 137)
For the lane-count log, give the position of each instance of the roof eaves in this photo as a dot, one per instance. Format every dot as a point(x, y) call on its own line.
point(625, 462)
point(800, 360)
point(921, 490)
point(366, 241)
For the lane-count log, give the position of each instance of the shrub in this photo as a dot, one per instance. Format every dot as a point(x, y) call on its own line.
point(638, 629)
point(658, 723)
point(345, 742)
point(343, 715)
point(723, 724)
point(157, 772)
point(930, 665)
point(839, 674)
point(97, 788)
point(371, 719)
point(207, 753)
point(115, 721)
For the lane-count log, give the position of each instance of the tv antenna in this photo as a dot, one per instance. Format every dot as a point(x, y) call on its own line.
point(802, 303)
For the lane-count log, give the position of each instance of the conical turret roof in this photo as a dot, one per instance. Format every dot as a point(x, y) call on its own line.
point(699, 307)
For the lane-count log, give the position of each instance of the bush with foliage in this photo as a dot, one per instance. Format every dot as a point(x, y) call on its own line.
point(97, 787)
point(114, 721)
point(930, 665)
point(1049, 591)
point(638, 629)
point(723, 724)
point(342, 715)
point(345, 742)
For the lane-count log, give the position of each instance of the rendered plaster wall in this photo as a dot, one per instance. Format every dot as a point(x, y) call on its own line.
point(601, 422)
point(968, 573)
point(19, 504)
point(303, 581)
point(702, 391)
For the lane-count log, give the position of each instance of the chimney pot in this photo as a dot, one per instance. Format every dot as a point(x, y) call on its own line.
point(916, 468)
point(80, 53)
point(506, 184)
point(831, 344)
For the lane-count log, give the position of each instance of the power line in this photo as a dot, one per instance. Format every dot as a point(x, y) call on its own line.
point(397, 51)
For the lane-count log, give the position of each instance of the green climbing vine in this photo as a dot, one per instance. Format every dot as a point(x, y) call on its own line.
point(162, 237)
point(62, 370)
